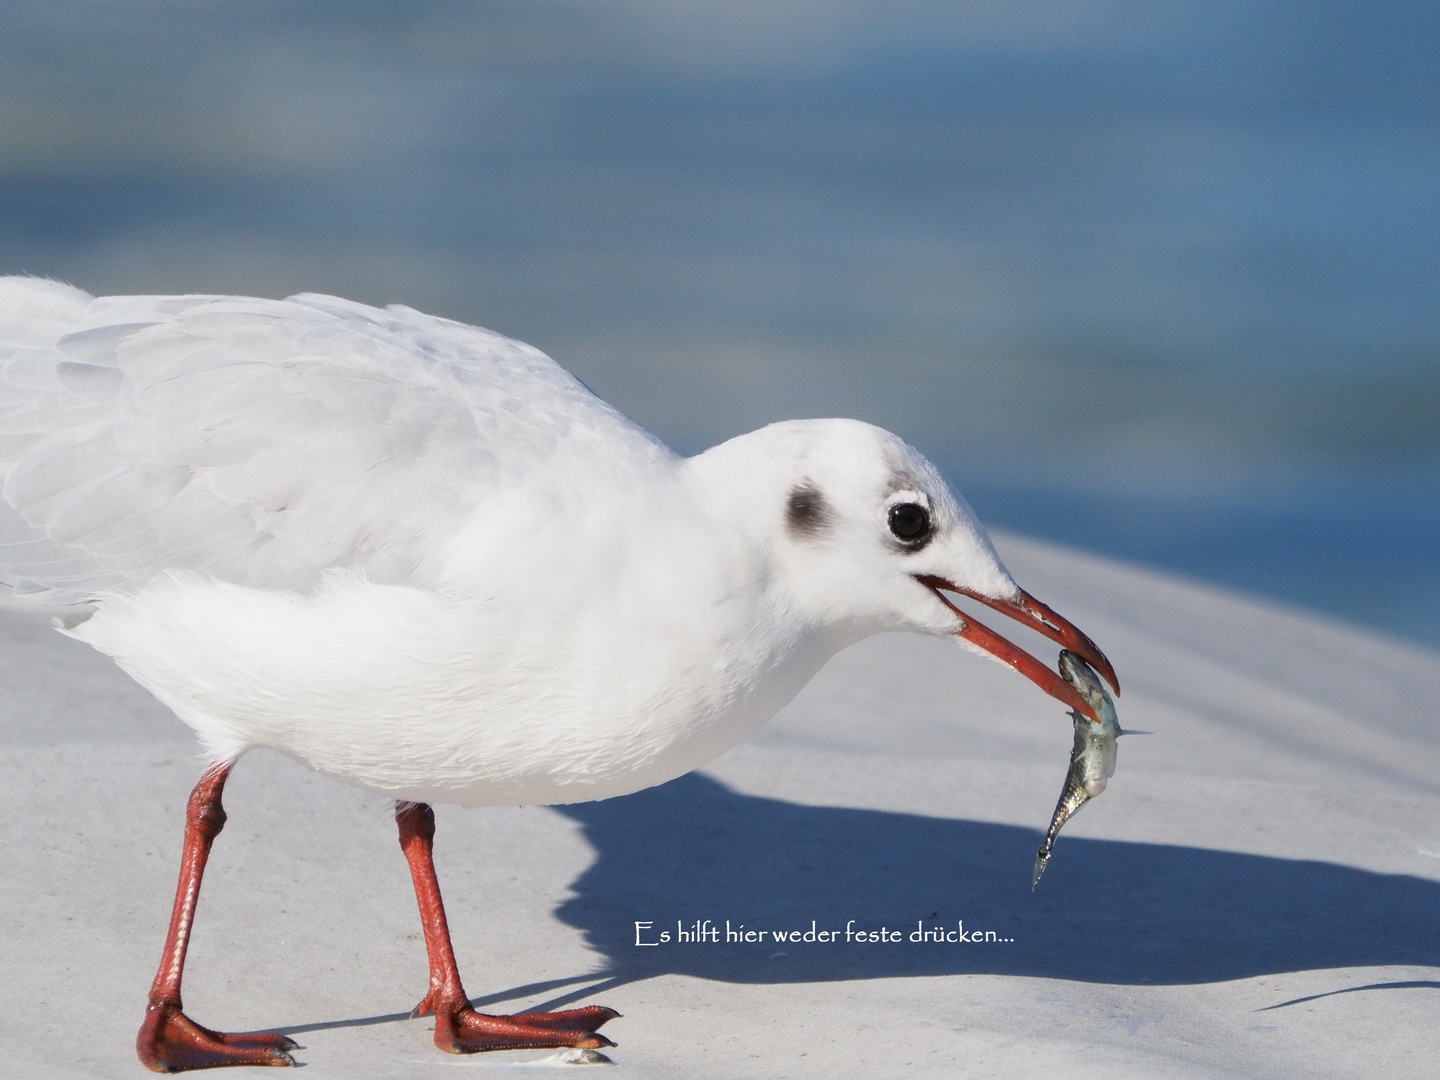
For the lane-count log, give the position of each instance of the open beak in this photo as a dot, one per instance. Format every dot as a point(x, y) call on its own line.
point(1038, 617)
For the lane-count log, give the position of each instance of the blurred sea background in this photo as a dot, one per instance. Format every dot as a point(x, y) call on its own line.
point(1156, 279)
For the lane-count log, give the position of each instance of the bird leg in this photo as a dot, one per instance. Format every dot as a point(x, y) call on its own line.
point(169, 1041)
point(459, 1029)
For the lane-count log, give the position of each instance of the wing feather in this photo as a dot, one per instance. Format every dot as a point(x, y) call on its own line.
point(261, 441)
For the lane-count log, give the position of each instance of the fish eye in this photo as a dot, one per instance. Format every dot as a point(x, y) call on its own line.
point(909, 522)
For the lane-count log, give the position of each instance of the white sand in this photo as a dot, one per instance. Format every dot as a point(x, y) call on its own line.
point(1257, 893)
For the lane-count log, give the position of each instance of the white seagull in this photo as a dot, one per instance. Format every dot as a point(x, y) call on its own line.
point(422, 558)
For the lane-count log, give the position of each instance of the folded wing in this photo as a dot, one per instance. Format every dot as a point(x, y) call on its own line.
point(260, 441)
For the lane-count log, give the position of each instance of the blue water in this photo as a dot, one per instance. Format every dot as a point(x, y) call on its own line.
point(1366, 553)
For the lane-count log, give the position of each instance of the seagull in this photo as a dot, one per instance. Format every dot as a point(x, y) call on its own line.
point(423, 559)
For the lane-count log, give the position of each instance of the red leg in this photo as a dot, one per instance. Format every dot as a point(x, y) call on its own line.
point(169, 1041)
point(459, 1029)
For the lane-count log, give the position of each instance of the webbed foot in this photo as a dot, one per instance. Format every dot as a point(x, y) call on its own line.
point(462, 1030)
point(169, 1041)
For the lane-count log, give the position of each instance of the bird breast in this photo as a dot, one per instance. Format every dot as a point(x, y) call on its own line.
point(480, 700)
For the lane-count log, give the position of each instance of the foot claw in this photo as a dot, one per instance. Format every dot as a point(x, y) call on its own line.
point(169, 1041)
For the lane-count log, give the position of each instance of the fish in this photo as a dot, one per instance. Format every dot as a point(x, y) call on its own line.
point(1092, 761)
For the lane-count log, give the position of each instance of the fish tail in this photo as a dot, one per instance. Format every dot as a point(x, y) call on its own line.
point(1042, 859)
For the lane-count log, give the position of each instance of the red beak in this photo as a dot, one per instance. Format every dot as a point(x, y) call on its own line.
point(1038, 617)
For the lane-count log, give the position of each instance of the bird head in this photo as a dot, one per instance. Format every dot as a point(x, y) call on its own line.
point(864, 535)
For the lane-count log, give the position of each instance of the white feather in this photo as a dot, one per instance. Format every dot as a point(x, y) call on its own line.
point(262, 441)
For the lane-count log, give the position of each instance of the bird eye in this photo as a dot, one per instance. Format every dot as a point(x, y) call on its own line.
point(909, 522)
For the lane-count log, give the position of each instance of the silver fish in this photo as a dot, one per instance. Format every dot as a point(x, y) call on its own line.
point(1092, 761)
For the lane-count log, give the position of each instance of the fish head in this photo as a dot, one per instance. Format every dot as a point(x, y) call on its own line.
point(1082, 677)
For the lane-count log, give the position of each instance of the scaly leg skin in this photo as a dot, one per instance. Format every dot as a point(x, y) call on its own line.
point(459, 1029)
point(169, 1041)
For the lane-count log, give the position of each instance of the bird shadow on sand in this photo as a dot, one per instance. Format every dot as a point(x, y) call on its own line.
point(1106, 911)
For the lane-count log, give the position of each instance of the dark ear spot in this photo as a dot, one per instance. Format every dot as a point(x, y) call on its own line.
point(806, 513)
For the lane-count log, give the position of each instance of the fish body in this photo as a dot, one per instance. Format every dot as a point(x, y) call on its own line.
point(1092, 759)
